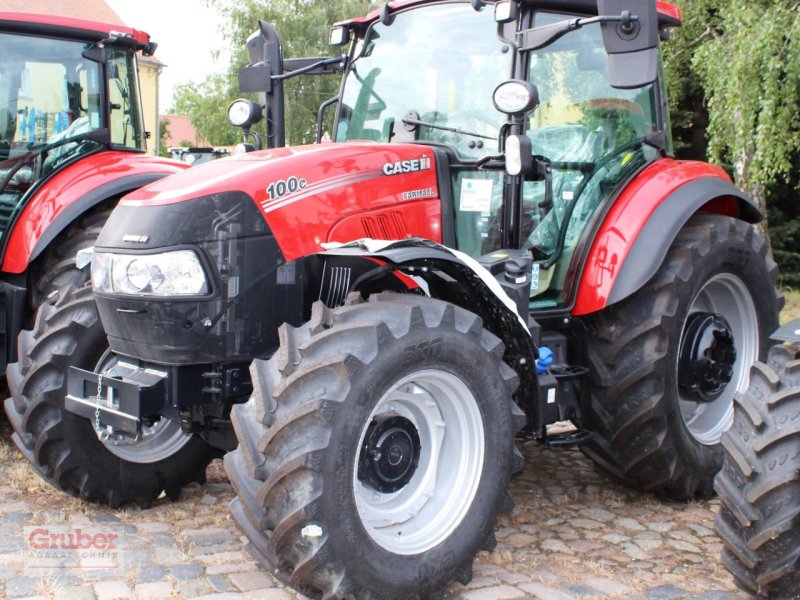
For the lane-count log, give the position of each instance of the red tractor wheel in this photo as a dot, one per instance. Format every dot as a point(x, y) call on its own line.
point(668, 361)
point(759, 483)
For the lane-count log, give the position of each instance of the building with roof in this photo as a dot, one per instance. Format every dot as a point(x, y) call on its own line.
point(98, 10)
point(181, 132)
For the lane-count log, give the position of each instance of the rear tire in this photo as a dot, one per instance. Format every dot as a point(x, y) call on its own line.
point(759, 484)
point(315, 488)
point(63, 448)
point(652, 431)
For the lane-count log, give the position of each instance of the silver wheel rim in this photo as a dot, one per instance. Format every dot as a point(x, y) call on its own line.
point(725, 295)
point(432, 504)
point(156, 442)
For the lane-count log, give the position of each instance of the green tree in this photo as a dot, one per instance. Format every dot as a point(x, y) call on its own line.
point(206, 105)
point(163, 133)
point(749, 68)
point(689, 113)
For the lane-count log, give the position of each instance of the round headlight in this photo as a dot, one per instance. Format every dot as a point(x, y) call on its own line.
point(138, 274)
point(243, 113)
point(516, 97)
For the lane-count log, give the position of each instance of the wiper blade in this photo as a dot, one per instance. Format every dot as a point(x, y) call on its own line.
point(413, 121)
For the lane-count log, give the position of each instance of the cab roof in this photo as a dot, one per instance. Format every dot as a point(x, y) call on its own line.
point(669, 15)
point(72, 28)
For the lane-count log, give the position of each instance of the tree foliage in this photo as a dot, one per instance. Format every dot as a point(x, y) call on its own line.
point(733, 72)
point(163, 134)
point(206, 105)
point(749, 70)
point(689, 113)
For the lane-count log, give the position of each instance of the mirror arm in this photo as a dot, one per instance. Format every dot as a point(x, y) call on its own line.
point(312, 67)
point(321, 116)
point(626, 18)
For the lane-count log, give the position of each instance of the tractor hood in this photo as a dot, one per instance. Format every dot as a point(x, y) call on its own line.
point(249, 220)
point(311, 167)
point(308, 195)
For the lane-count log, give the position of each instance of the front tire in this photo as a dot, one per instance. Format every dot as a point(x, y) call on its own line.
point(375, 453)
point(667, 362)
point(64, 448)
point(759, 484)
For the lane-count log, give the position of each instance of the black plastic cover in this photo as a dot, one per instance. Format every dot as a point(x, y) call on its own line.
point(253, 289)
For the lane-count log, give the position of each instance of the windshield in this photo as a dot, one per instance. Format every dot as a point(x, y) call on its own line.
point(49, 94)
point(434, 67)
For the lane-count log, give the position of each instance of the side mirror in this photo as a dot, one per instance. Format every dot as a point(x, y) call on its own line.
point(264, 75)
point(632, 45)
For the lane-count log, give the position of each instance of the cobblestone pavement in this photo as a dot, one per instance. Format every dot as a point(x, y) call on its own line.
point(573, 534)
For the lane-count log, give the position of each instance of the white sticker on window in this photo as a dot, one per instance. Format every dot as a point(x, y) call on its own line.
point(476, 195)
point(94, 120)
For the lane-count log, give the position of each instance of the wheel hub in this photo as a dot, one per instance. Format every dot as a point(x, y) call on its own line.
point(157, 440)
point(707, 357)
point(389, 455)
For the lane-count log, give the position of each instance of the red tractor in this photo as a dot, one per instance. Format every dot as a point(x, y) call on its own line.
point(71, 144)
point(498, 239)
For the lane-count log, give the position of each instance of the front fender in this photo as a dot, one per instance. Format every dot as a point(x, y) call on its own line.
point(636, 234)
point(73, 191)
point(451, 276)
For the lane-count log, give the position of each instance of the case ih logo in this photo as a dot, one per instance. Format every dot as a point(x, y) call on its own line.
point(407, 166)
point(53, 547)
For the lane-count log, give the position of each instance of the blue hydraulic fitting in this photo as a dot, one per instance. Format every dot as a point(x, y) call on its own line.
point(545, 360)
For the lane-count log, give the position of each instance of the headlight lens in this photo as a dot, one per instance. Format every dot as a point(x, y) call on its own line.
point(177, 273)
point(515, 97)
point(243, 113)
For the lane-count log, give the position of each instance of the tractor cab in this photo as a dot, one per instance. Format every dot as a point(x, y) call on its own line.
point(594, 126)
point(65, 92)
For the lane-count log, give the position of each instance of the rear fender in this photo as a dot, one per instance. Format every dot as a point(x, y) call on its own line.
point(639, 229)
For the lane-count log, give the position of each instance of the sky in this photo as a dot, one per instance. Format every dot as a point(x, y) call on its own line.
point(186, 32)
